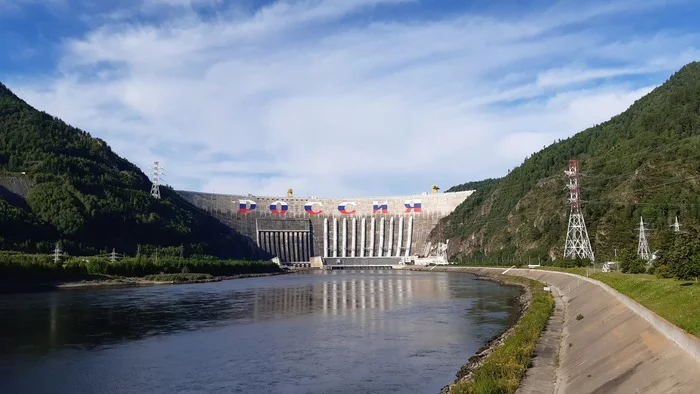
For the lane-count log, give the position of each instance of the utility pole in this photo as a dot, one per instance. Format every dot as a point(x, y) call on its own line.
point(577, 242)
point(643, 247)
point(113, 258)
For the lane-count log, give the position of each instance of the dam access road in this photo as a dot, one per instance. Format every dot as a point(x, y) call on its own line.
point(608, 343)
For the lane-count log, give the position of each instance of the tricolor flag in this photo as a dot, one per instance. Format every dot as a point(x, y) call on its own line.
point(416, 207)
point(383, 207)
point(282, 208)
point(309, 208)
point(243, 206)
point(342, 209)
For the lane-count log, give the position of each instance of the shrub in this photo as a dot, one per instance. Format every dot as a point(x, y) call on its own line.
point(662, 271)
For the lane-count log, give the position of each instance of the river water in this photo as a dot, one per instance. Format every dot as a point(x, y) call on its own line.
point(324, 332)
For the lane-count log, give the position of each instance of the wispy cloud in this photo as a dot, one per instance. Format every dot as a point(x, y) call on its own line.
point(317, 96)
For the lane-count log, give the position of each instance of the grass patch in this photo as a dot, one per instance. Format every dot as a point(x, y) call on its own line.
point(179, 278)
point(503, 370)
point(675, 300)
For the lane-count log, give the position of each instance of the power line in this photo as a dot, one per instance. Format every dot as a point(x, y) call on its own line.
point(658, 149)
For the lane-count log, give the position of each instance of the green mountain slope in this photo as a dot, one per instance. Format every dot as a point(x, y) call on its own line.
point(475, 185)
point(643, 162)
point(59, 183)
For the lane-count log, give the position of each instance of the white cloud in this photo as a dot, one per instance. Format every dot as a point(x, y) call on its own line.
point(360, 108)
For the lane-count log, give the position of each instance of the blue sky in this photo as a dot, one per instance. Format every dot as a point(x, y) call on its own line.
point(338, 97)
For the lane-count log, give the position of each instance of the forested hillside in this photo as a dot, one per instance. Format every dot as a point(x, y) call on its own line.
point(57, 183)
point(475, 185)
point(643, 162)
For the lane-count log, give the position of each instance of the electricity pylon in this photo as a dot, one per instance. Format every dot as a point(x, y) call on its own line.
point(577, 242)
point(643, 247)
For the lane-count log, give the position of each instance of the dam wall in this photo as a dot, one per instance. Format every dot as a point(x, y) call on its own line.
point(295, 229)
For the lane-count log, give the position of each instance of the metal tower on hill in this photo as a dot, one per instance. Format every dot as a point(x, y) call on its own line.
point(577, 242)
point(676, 226)
point(155, 187)
point(643, 248)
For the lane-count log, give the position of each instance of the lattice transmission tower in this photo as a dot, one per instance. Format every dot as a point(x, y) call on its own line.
point(577, 243)
point(113, 257)
point(57, 253)
point(157, 175)
point(676, 226)
point(643, 247)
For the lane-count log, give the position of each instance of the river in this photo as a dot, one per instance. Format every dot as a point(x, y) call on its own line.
point(323, 332)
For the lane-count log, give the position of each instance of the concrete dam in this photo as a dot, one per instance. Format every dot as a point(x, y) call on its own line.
point(361, 229)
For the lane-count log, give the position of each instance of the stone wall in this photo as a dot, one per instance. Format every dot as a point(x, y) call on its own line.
point(297, 228)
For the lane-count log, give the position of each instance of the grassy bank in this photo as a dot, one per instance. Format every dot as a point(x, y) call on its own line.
point(677, 301)
point(503, 369)
point(19, 271)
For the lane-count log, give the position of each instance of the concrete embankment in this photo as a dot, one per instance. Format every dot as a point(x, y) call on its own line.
point(611, 344)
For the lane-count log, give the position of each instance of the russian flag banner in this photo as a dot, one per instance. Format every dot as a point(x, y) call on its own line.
point(309, 208)
point(414, 206)
point(343, 210)
point(279, 207)
point(384, 207)
point(245, 206)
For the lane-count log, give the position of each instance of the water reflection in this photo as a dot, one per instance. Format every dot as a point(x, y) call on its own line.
point(292, 333)
point(341, 295)
point(37, 323)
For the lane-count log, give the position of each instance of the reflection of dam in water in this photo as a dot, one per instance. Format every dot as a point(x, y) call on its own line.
point(375, 331)
point(345, 293)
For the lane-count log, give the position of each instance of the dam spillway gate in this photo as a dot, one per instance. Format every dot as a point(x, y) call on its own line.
point(289, 240)
point(292, 240)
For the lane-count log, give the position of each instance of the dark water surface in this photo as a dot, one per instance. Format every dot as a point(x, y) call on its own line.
point(327, 332)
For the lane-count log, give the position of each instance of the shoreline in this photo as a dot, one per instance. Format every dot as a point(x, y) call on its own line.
point(118, 282)
point(601, 323)
point(466, 371)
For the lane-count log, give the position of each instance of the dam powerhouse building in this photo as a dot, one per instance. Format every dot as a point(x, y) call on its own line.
point(295, 229)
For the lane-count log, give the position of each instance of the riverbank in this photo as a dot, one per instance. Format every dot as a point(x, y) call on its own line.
point(466, 372)
point(668, 298)
point(610, 343)
point(116, 281)
point(501, 364)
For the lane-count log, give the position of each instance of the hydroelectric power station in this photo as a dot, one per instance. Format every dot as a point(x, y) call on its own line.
point(367, 231)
